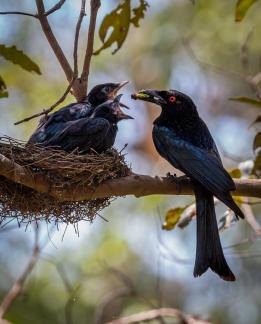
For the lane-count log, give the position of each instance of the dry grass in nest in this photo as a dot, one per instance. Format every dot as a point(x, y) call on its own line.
point(27, 205)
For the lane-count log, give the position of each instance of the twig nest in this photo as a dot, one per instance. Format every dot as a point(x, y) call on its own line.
point(63, 169)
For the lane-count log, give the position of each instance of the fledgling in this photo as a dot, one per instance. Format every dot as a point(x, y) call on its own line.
point(97, 132)
point(183, 139)
point(54, 122)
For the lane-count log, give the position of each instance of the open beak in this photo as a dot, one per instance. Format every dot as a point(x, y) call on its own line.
point(121, 115)
point(117, 99)
point(150, 96)
point(118, 86)
point(118, 112)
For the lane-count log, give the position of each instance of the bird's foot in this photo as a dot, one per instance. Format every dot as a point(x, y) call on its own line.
point(171, 177)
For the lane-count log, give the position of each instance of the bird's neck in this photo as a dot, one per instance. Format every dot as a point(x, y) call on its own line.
point(180, 121)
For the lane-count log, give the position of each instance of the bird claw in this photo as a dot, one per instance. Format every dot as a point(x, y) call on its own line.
point(171, 177)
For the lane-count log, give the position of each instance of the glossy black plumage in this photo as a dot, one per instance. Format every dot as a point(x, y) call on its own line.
point(54, 123)
point(183, 139)
point(97, 132)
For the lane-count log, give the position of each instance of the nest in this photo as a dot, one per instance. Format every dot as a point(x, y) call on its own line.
point(27, 205)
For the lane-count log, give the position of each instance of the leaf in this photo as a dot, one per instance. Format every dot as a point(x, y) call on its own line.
point(139, 13)
point(3, 92)
point(257, 141)
point(115, 26)
point(16, 56)
point(172, 217)
point(242, 7)
point(236, 173)
point(119, 20)
point(247, 100)
point(257, 165)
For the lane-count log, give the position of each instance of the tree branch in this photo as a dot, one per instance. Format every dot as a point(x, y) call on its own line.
point(18, 285)
point(137, 185)
point(53, 41)
point(95, 5)
point(75, 72)
point(51, 108)
point(56, 7)
point(21, 13)
point(157, 313)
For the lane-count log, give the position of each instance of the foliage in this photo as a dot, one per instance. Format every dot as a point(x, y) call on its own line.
point(247, 100)
point(172, 218)
point(119, 20)
point(12, 54)
point(242, 8)
point(3, 92)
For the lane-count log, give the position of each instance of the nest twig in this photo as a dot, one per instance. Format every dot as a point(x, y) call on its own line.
point(63, 169)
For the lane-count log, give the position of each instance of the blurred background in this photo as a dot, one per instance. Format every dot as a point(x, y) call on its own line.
point(128, 264)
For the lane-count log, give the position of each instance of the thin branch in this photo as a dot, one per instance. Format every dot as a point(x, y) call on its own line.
point(156, 313)
point(53, 41)
point(251, 219)
point(21, 13)
point(51, 108)
point(56, 7)
point(135, 184)
point(95, 5)
point(76, 38)
point(75, 71)
point(19, 284)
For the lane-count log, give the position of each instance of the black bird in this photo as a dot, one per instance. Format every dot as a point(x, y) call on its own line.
point(54, 122)
point(97, 132)
point(183, 139)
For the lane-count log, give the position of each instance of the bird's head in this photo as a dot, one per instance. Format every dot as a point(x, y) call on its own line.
point(103, 92)
point(172, 102)
point(111, 110)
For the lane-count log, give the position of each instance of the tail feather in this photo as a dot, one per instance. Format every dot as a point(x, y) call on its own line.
point(209, 253)
point(228, 200)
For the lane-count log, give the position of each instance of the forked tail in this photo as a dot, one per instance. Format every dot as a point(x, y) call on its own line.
point(209, 253)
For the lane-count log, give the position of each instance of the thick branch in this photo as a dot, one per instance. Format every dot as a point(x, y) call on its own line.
point(95, 5)
point(137, 185)
point(53, 41)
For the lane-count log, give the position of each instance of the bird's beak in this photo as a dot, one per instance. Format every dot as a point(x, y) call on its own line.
point(119, 113)
point(118, 86)
point(117, 99)
point(149, 95)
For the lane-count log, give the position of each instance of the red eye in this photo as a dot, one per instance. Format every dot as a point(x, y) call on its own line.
point(172, 99)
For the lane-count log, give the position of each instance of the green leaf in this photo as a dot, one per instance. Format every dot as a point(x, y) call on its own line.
point(236, 173)
point(242, 7)
point(257, 141)
point(139, 13)
point(115, 26)
point(3, 92)
point(247, 100)
point(172, 217)
point(119, 21)
point(16, 56)
point(257, 165)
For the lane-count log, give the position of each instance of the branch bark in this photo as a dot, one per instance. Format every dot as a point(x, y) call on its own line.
point(135, 184)
point(53, 41)
point(157, 313)
point(95, 5)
